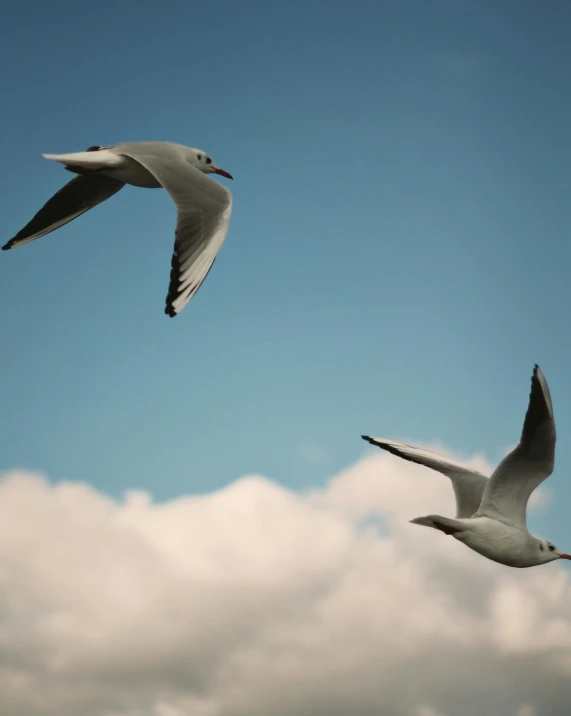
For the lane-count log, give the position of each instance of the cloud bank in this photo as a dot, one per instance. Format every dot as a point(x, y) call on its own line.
point(255, 600)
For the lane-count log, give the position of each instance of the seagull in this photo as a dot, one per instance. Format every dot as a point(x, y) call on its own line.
point(203, 205)
point(490, 512)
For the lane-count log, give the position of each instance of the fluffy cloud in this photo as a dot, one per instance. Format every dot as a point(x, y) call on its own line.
point(255, 600)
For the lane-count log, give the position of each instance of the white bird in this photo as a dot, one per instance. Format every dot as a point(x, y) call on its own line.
point(491, 512)
point(203, 206)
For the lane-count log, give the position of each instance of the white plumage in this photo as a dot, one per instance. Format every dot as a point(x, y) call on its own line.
point(203, 206)
point(491, 512)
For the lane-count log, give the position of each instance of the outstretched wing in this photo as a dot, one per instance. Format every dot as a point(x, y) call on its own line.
point(468, 484)
point(203, 212)
point(528, 465)
point(72, 200)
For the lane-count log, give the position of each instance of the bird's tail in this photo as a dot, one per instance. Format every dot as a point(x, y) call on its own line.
point(445, 524)
point(86, 162)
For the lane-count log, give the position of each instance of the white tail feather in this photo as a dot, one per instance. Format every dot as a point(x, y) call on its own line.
point(102, 159)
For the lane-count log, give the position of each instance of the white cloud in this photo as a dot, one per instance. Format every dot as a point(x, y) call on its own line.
point(255, 600)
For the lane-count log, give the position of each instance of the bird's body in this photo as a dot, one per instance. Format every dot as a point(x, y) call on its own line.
point(131, 172)
point(203, 206)
point(493, 539)
point(491, 512)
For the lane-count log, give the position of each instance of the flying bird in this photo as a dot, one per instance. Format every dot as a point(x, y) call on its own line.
point(203, 205)
point(491, 512)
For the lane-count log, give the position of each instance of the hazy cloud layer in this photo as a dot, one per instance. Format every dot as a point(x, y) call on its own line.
point(255, 600)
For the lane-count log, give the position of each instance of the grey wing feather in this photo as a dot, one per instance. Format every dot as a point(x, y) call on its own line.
point(75, 198)
point(203, 211)
point(468, 484)
point(527, 465)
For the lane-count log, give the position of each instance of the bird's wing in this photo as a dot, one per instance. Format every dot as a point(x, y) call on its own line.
point(203, 212)
point(528, 465)
point(468, 484)
point(75, 198)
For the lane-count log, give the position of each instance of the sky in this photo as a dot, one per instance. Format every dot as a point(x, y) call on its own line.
point(397, 258)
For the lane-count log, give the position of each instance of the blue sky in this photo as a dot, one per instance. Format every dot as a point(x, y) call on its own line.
point(398, 254)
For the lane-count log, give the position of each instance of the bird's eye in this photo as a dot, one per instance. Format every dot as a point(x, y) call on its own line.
point(551, 548)
point(199, 157)
point(208, 160)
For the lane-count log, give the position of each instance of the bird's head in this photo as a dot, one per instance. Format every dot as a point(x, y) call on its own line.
point(203, 162)
point(549, 552)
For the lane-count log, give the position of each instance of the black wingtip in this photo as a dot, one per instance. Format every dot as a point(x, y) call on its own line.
point(367, 438)
point(540, 407)
point(538, 375)
point(8, 245)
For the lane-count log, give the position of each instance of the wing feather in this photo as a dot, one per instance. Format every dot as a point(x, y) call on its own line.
point(72, 200)
point(203, 213)
point(468, 484)
point(527, 465)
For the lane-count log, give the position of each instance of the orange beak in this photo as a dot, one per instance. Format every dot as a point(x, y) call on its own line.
point(565, 556)
point(223, 173)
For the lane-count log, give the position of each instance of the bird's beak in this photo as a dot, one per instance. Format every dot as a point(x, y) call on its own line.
point(565, 556)
point(223, 173)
